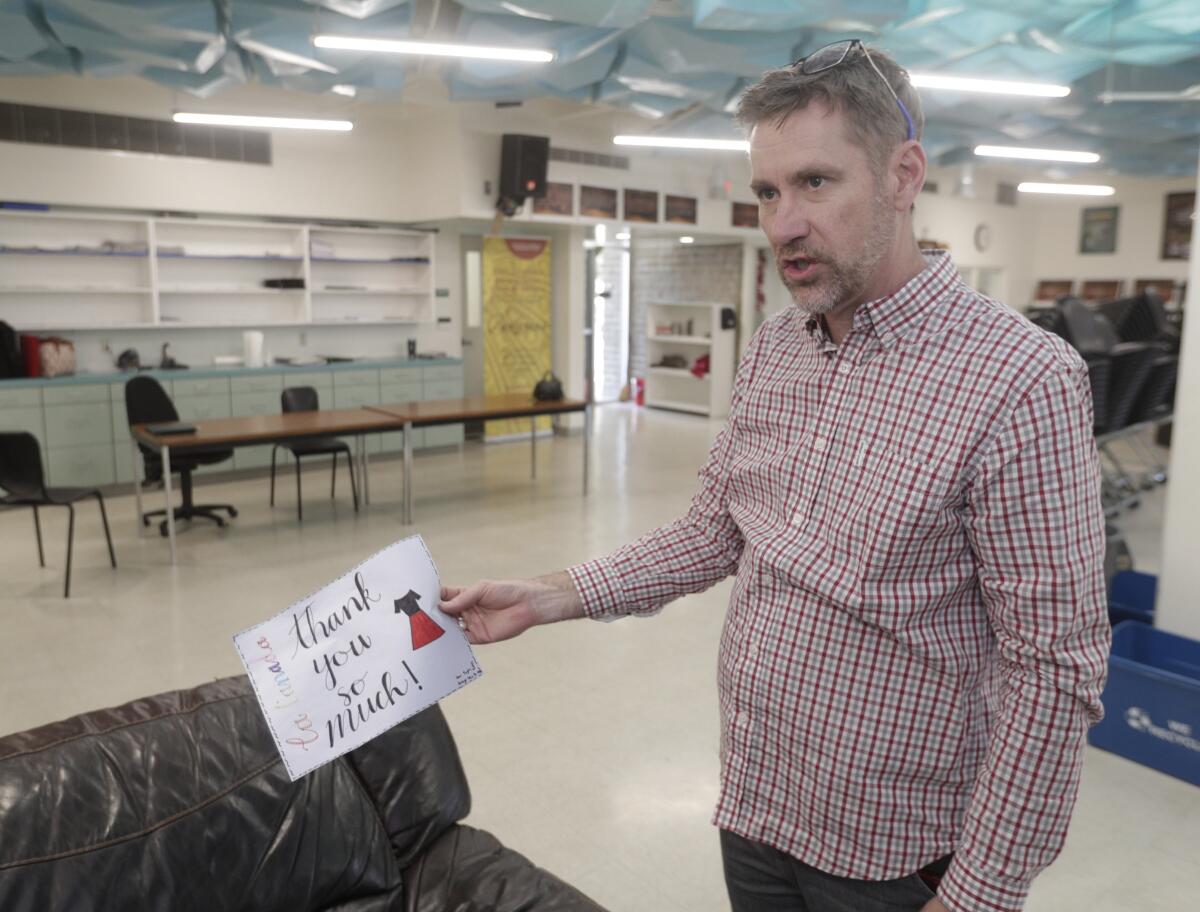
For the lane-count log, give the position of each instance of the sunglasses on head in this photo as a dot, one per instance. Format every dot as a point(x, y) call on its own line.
point(826, 58)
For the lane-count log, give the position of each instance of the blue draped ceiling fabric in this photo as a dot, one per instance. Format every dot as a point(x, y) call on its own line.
point(680, 63)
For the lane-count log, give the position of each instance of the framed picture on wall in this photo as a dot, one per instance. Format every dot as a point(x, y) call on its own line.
point(745, 215)
point(1098, 230)
point(597, 202)
point(1177, 227)
point(1100, 290)
point(680, 209)
point(1164, 288)
point(559, 200)
point(641, 206)
point(1050, 289)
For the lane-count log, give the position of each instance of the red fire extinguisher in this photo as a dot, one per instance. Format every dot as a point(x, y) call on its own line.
point(639, 390)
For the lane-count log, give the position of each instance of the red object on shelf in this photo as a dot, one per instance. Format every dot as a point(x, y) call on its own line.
point(639, 390)
point(31, 354)
point(701, 367)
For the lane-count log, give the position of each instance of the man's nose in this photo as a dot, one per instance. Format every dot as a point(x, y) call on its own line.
point(789, 223)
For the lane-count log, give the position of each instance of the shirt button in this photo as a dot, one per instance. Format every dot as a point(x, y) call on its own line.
point(845, 368)
point(820, 444)
point(752, 651)
point(742, 719)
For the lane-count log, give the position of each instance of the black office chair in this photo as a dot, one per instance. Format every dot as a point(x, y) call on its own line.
point(304, 399)
point(146, 402)
point(21, 476)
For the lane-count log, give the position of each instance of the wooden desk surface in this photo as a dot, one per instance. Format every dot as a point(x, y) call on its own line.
point(474, 408)
point(267, 428)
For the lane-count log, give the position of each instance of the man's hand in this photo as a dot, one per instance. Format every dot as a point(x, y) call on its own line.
point(491, 611)
point(934, 905)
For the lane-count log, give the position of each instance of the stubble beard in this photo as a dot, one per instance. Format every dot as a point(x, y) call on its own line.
point(839, 280)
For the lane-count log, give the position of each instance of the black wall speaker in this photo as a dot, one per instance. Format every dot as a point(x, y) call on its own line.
point(523, 161)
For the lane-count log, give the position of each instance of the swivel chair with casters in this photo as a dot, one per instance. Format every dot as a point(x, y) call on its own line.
point(304, 399)
point(21, 477)
point(146, 402)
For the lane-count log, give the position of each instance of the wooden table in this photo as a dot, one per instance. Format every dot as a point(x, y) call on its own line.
point(226, 433)
point(482, 408)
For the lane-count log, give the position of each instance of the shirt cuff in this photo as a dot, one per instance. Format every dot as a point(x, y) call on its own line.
point(598, 584)
point(961, 890)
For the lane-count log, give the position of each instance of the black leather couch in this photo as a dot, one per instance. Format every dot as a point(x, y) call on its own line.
point(179, 802)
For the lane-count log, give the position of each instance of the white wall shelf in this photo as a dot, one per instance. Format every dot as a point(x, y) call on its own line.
point(677, 388)
point(208, 273)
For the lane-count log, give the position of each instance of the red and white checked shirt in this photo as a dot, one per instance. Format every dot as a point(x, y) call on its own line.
point(916, 641)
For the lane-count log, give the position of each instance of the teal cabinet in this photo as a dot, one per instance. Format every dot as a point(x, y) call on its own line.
point(81, 466)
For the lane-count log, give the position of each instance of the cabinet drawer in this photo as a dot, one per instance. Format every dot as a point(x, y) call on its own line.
point(24, 419)
point(407, 391)
point(74, 395)
point(30, 397)
point(447, 372)
point(198, 408)
point(209, 386)
point(256, 457)
point(400, 374)
point(256, 383)
point(120, 421)
point(78, 425)
point(347, 378)
point(84, 466)
point(393, 441)
point(443, 389)
point(355, 396)
point(321, 382)
point(264, 403)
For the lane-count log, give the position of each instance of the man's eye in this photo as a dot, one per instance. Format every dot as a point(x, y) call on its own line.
point(815, 183)
point(767, 195)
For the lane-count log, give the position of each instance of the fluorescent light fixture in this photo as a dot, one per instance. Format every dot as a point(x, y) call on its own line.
point(673, 142)
point(1067, 189)
point(623, 235)
point(433, 49)
point(687, 239)
point(1052, 155)
point(988, 86)
point(269, 123)
point(348, 90)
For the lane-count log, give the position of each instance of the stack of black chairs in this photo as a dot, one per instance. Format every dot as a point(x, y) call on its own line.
point(1131, 349)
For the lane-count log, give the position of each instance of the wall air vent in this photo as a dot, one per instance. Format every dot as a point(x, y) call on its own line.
point(87, 130)
point(598, 159)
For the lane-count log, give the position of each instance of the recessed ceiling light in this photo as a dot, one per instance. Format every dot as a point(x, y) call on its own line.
point(623, 235)
point(433, 49)
point(672, 142)
point(1067, 189)
point(1054, 155)
point(270, 123)
point(988, 86)
point(348, 90)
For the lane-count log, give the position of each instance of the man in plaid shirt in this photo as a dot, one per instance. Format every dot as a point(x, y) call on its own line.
point(907, 491)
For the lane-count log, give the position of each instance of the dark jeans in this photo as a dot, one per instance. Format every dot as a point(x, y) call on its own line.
point(762, 879)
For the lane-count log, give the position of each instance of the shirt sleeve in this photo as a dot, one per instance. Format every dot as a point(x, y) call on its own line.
point(1036, 525)
point(688, 555)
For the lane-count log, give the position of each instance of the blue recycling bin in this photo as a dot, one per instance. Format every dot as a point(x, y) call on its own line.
point(1131, 597)
point(1152, 701)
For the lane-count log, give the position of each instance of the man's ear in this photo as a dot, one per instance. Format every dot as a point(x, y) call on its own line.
point(908, 170)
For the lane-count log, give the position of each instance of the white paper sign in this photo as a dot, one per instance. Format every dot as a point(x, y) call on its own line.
point(362, 654)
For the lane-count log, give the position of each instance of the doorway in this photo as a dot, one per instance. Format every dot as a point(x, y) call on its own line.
point(607, 330)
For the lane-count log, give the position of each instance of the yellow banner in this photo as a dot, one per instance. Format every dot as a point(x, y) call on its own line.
point(516, 323)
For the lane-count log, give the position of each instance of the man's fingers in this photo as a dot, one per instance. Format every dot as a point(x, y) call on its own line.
point(460, 599)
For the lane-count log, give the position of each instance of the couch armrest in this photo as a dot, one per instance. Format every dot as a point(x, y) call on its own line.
point(468, 870)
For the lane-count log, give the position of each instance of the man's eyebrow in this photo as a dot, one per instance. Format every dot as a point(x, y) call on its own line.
point(817, 170)
point(757, 185)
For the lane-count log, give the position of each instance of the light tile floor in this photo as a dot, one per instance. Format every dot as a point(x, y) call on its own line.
point(591, 748)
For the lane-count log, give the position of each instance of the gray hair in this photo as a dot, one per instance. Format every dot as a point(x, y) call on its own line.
point(852, 87)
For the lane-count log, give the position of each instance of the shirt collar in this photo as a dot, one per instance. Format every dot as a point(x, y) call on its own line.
point(896, 315)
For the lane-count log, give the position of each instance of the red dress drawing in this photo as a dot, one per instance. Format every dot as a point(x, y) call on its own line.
point(424, 628)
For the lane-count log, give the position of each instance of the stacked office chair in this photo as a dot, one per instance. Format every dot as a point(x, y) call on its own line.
point(146, 402)
point(304, 399)
point(22, 479)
